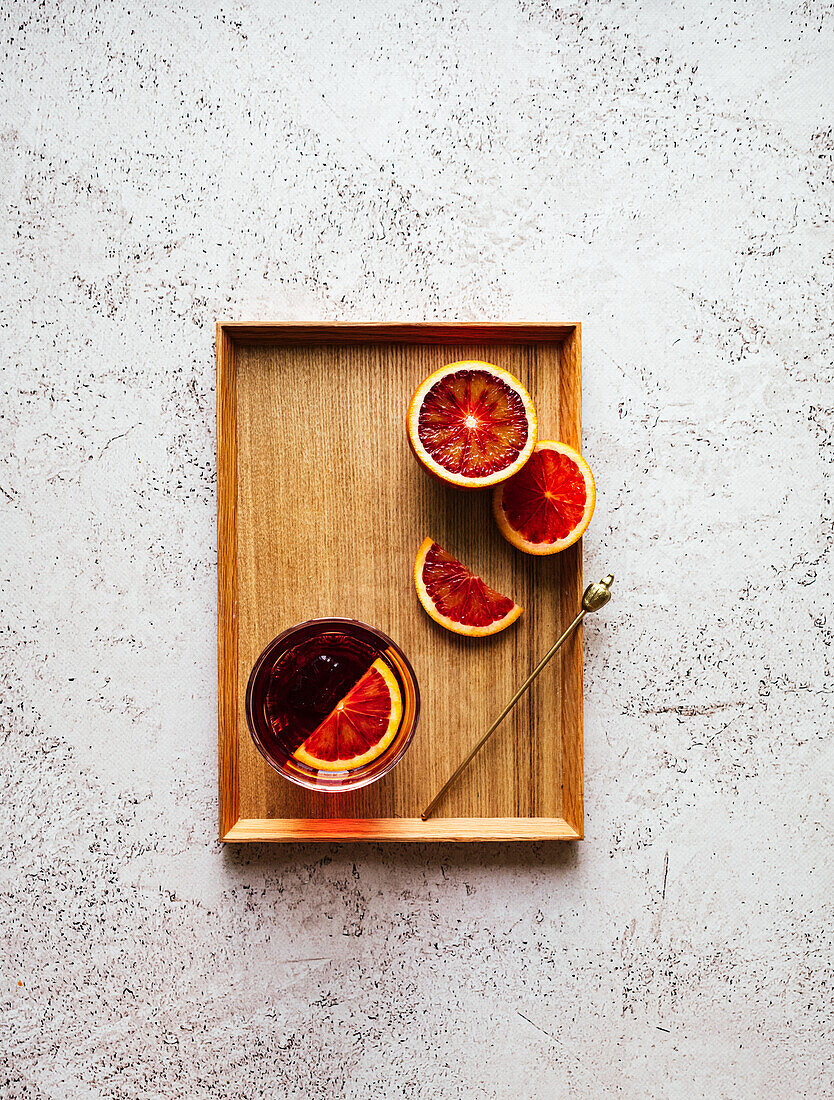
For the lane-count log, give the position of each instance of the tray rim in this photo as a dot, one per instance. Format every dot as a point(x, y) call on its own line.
point(399, 829)
point(233, 828)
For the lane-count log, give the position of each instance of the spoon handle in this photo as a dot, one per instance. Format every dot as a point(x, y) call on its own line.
point(596, 596)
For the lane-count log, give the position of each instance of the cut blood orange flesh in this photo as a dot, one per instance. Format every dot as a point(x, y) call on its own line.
point(456, 598)
point(360, 727)
point(547, 506)
point(472, 424)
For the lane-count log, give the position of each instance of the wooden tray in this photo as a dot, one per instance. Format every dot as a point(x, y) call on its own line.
point(321, 509)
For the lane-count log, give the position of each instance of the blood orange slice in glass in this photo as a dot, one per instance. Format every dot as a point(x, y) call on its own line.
point(472, 424)
point(360, 727)
point(547, 506)
point(456, 598)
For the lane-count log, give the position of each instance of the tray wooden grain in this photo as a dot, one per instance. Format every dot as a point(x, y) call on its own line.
point(321, 509)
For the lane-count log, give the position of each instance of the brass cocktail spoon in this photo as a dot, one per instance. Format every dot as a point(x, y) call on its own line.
point(595, 596)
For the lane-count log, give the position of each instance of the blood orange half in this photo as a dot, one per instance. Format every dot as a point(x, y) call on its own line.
point(456, 598)
point(548, 505)
point(360, 727)
point(472, 424)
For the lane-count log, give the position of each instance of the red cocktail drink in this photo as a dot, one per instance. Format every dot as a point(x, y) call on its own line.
point(332, 704)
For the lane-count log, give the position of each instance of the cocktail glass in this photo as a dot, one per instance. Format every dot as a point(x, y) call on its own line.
point(298, 679)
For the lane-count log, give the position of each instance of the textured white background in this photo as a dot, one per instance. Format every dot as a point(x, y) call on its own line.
point(663, 173)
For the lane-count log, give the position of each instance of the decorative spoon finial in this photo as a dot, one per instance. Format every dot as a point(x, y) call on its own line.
point(597, 595)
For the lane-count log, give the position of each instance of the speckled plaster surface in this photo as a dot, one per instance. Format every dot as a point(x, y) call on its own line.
point(661, 172)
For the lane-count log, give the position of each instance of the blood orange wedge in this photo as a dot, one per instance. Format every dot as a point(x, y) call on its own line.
point(456, 598)
point(546, 506)
point(472, 424)
point(360, 727)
